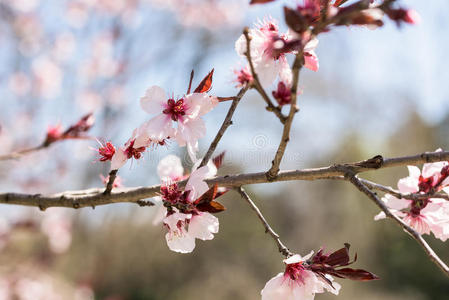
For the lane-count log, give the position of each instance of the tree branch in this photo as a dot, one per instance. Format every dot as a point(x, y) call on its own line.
point(256, 82)
point(281, 247)
point(226, 123)
point(110, 184)
point(94, 197)
point(274, 170)
point(414, 234)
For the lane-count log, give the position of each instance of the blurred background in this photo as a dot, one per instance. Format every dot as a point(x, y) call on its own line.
point(377, 92)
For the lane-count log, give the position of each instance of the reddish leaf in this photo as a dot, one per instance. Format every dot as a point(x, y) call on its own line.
point(207, 196)
point(211, 207)
point(218, 160)
point(354, 274)
point(339, 2)
point(260, 1)
point(339, 257)
point(219, 194)
point(206, 84)
point(295, 20)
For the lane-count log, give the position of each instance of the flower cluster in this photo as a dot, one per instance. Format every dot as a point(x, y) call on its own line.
point(305, 276)
point(187, 213)
point(269, 49)
point(426, 214)
point(176, 119)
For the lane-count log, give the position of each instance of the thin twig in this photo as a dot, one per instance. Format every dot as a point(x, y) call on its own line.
point(226, 123)
point(281, 247)
point(389, 190)
point(110, 184)
point(223, 99)
point(87, 198)
point(256, 82)
point(413, 233)
point(18, 154)
point(398, 194)
point(274, 170)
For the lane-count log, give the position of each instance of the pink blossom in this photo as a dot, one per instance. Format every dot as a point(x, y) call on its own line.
point(181, 216)
point(184, 112)
point(428, 214)
point(243, 76)
point(133, 148)
point(269, 49)
point(183, 229)
point(283, 94)
point(106, 152)
point(266, 42)
point(297, 282)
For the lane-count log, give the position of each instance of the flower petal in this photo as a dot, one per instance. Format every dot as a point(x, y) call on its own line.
point(203, 226)
point(154, 100)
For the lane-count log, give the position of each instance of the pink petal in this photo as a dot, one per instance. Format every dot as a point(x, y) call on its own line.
point(119, 159)
point(203, 226)
point(154, 100)
point(277, 288)
point(196, 184)
point(311, 61)
point(190, 131)
point(159, 127)
point(200, 104)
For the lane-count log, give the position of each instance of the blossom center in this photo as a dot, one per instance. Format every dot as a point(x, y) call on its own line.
point(175, 109)
point(134, 152)
point(295, 271)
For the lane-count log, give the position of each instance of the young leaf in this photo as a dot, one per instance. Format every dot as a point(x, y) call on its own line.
point(260, 1)
point(211, 207)
point(339, 257)
point(295, 20)
point(206, 84)
point(218, 160)
point(354, 274)
point(207, 196)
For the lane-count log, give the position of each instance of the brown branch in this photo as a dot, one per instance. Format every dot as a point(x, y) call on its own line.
point(256, 82)
point(281, 247)
point(274, 170)
point(413, 233)
point(223, 99)
point(94, 197)
point(226, 123)
point(110, 184)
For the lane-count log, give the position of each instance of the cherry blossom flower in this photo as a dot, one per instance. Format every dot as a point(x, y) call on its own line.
point(268, 52)
point(297, 282)
point(133, 148)
point(305, 276)
point(184, 228)
point(187, 213)
point(106, 151)
point(283, 94)
point(243, 76)
point(184, 112)
point(428, 214)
